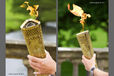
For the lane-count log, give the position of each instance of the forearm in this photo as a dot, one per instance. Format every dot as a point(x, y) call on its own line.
point(98, 72)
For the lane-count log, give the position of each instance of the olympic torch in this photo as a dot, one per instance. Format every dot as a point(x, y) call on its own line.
point(32, 33)
point(85, 44)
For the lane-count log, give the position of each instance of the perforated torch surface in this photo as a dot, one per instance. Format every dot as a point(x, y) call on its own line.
point(85, 44)
point(34, 40)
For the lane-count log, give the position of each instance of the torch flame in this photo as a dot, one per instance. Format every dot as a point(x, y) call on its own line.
point(77, 11)
point(33, 9)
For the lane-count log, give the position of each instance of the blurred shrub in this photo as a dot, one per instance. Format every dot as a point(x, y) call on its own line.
point(68, 24)
point(15, 15)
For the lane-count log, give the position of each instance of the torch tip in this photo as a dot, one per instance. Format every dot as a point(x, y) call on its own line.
point(29, 20)
point(82, 32)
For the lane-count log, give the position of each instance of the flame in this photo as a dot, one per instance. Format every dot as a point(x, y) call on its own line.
point(77, 11)
point(23, 6)
point(33, 9)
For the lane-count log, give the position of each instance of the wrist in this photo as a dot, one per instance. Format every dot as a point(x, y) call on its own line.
point(92, 70)
point(95, 71)
point(54, 69)
point(53, 73)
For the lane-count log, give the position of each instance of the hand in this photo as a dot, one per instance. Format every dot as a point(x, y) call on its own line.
point(89, 63)
point(44, 66)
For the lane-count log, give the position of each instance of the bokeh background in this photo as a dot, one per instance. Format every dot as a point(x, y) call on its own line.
point(15, 15)
point(69, 26)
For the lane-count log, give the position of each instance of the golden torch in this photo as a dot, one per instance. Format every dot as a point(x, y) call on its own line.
point(85, 44)
point(32, 32)
point(83, 37)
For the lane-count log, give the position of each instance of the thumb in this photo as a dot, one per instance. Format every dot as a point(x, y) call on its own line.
point(94, 57)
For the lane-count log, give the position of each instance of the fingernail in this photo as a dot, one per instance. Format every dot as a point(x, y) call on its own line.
point(28, 56)
point(94, 54)
point(36, 73)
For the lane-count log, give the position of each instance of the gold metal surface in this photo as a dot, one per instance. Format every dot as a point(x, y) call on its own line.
point(85, 44)
point(32, 32)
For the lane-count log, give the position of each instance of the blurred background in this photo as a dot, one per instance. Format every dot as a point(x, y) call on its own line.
point(15, 15)
point(69, 25)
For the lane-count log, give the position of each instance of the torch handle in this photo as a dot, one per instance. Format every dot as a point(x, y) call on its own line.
point(85, 44)
point(33, 36)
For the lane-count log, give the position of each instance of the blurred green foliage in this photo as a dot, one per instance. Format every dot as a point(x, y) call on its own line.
point(15, 15)
point(69, 25)
point(66, 69)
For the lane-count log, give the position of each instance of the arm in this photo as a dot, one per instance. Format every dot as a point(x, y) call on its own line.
point(90, 63)
point(98, 72)
point(44, 66)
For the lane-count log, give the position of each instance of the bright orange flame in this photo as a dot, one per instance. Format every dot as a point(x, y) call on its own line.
point(77, 11)
point(33, 9)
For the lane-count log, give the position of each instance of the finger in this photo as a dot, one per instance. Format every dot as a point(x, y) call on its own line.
point(94, 57)
point(36, 73)
point(84, 58)
point(35, 59)
point(33, 65)
point(31, 58)
point(83, 62)
point(47, 53)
